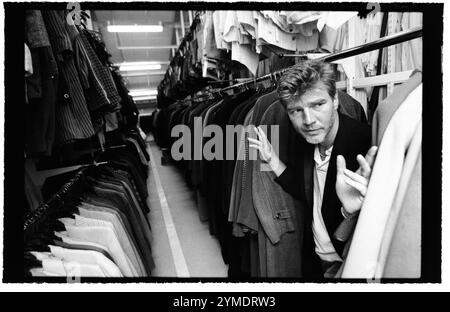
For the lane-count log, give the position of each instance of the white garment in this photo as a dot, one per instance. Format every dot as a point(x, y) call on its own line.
point(301, 17)
point(324, 247)
point(39, 272)
point(244, 54)
point(121, 237)
point(71, 268)
point(105, 236)
point(268, 33)
point(334, 19)
point(124, 239)
point(389, 167)
point(108, 267)
point(219, 20)
point(231, 31)
point(247, 21)
point(68, 240)
point(124, 244)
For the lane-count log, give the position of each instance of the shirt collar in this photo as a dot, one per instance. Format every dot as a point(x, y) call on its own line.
point(317, 157)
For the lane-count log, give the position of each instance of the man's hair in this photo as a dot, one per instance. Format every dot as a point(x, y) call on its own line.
point(303, 77)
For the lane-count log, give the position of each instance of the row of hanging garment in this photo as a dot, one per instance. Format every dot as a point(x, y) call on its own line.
point(243, 38)
point(94, 221)
point(72, 92)
point(231, 189)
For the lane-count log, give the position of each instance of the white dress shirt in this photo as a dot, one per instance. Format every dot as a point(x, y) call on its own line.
point(324, 248)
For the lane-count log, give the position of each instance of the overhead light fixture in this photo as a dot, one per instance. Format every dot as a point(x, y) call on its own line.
point(144, 98)
point(135, 28)
point(143, 92)
point(135, 66)
point(143, 73)
point(140, 67)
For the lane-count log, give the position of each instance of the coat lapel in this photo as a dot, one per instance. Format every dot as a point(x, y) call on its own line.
point(308, 174)
point(330, 204)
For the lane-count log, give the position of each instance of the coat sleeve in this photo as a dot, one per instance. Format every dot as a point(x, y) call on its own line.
point(289, 180)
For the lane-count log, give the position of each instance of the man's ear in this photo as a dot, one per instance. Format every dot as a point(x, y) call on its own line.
point(336, 101)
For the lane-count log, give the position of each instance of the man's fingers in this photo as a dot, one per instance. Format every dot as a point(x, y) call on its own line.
point(254, 141)
point(370, 156)
point(364, 167)
point(263, 134)
point(355, 177)
point(362, 189)
point(340, 164)
point(255, 146)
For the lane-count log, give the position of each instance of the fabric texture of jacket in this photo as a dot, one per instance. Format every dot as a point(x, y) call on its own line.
point(279, 213)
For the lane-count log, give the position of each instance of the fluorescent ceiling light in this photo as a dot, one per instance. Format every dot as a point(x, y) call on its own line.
point(135, 66)
point(144, 98)
point(143, 73)
point(137, 63)
point(135, 28)
point(143, 92)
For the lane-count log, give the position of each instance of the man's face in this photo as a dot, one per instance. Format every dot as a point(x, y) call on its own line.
point(313, 114)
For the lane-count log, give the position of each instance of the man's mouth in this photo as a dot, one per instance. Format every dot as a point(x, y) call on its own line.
point(312, 130)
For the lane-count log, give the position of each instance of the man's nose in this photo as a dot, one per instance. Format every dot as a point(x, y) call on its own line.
point(307, 117)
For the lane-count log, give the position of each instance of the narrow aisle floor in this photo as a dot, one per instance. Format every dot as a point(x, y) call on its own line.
point(181, 245)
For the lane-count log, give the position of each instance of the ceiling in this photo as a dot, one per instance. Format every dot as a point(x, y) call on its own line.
point(127, 47)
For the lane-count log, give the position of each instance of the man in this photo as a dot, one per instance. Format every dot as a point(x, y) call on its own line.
point(321, 173)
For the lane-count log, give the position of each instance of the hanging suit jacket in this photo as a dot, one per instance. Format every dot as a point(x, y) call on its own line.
point(352, 138)
point(279, 214)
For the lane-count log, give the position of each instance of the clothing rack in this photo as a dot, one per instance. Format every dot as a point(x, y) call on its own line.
point(186, 37)
point(367, 47)
point(33, 217)
point(36, 215)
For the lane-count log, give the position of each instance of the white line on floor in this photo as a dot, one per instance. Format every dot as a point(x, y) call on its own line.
point(174, 242)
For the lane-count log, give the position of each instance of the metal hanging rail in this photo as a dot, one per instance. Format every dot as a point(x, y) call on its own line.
point(367, 47)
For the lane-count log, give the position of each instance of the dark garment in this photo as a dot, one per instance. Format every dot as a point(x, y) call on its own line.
point(237, 118)
point(206, 165)
point(280, 226)
point(351, 107)
point(72, 117)
point(352, 138)
point(35, 32)
point(218, 222)
point(243, 208)
point(127, 178)
point(42, 89)
point(121, 159)
point(98, 45)
point(196, 142)
point(129, 110)
point(101, 92)
point(134, 134)
point(118, 179)
point(242, 212)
